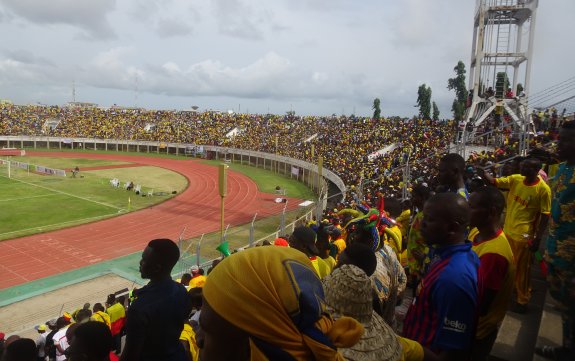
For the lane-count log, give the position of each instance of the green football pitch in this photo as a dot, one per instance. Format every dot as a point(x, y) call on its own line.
point(32, 203)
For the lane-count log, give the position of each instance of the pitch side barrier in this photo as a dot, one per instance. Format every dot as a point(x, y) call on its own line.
point(305, 172)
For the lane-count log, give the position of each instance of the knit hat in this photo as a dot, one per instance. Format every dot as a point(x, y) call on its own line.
point(348, 292)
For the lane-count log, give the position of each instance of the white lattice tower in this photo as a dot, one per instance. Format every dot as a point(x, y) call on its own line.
point(502, 48)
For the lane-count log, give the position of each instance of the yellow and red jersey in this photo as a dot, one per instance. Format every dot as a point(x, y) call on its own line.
point(525, 204)
point(496, 273)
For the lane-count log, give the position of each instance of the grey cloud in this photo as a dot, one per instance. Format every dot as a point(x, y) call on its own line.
point(88, 15)
point(27, 57)
point(237, 19)
point(172, 27)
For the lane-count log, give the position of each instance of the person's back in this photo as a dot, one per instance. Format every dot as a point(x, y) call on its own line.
point(157, 315)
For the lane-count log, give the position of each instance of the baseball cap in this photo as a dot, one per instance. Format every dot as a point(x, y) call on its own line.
point(307, 237)
point(40, 328)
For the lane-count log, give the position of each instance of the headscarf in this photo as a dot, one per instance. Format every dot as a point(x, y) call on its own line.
point(282, 305)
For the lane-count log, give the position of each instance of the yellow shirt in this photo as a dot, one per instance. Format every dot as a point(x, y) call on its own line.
point(320, 266)
point(189, 336)
point(410, 350)
point(525, 203)
point(330, 261)
point(101, 317)
point(403, 221)
point(340, 244)
point(198, 281)
point(491, 253)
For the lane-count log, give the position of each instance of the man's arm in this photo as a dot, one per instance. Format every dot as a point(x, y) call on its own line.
point(543, 221)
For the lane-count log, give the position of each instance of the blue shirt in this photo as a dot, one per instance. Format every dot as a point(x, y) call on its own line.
point(443, 315)
point(157, 317)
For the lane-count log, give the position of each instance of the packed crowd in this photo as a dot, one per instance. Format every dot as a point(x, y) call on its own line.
point(330, 289)
point(344, 142)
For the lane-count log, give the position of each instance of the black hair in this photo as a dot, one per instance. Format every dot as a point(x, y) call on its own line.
point(83, 314)
point(186, 277)
point(491, 197)
point(456, 160)
point(94, 338)
point(166, 253)
point(393, 207)
point(421, 190)
point(23, 349)
point(98, 307)
point(535, 161)
point(362, 256)
point(196, 296)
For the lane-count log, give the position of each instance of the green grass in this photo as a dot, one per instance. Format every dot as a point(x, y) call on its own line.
point(103, 201)
point(162, 153)
point(62, 163)
point(267, 180)
point(33, 203)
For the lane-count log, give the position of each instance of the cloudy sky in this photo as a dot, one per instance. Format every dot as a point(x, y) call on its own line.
point(310, 56)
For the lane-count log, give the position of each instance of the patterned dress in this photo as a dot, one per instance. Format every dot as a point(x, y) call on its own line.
point(560, 253)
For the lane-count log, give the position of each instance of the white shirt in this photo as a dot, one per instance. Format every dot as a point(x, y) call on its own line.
point(40, 343)
point(60, 339)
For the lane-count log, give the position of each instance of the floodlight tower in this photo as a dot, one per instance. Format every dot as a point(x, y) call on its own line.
point(501, 58)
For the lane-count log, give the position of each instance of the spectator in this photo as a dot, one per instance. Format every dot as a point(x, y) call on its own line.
point(348, 293)
point(50, 349)
point(198, 278)
point(59, 338)
point(526, 218)
point(449, 291)
point(495, 266)
point(155, 321)
point(282, 315)
point(21, 349)
point(451, 174)
point(417, 250)
point(304, 240)
point(41, 342)
point(185, 280)
point(359, 255)
point(117, 314)
point(99, 315)
point(91, 341)
point(560, 251)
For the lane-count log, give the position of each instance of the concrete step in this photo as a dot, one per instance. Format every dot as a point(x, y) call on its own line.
point(550, 328)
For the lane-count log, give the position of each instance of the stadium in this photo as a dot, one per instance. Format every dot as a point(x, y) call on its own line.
point(272, 215)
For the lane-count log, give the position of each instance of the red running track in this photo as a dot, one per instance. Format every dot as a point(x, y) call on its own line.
point(41, 255)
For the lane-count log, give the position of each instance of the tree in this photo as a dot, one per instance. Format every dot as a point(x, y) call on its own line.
point(424, 101)
point(376, 108)
point(458, 84)
point(435, 112)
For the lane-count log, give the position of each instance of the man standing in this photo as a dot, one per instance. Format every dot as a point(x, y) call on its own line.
point(443, 314)
point(117, 314)
point(59, 338)
point(527, 215)
point(156, 317)
point(451, 171)
point(41, 342)
point(496, 268)
point(560, 253)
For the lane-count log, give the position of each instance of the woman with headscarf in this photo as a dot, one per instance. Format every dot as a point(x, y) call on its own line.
point(266, 303)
